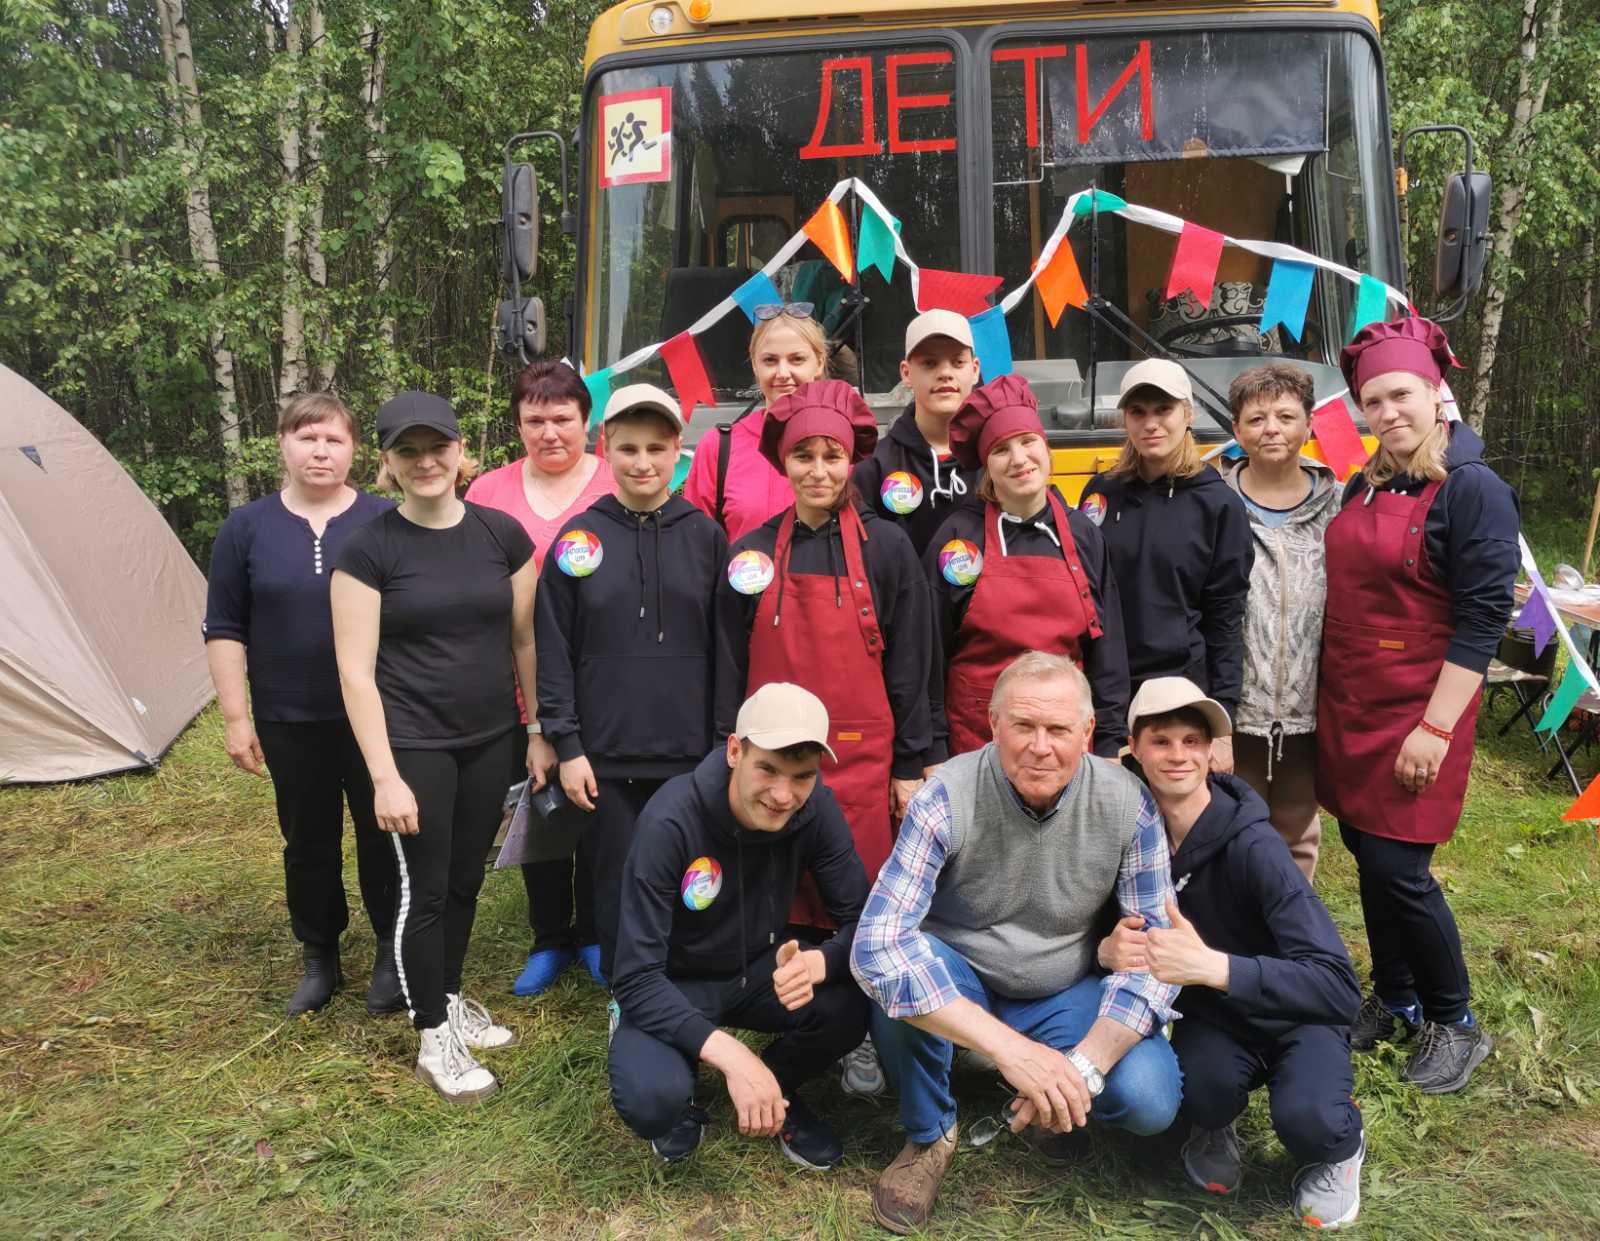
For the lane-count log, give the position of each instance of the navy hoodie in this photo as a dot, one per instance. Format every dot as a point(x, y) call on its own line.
point(1182, 552)
point(1240, 887)
point(899, 596)
point(625, 653)
point(1105, 659)
point(945, 486)
point(750, 878)
point(1470, 538)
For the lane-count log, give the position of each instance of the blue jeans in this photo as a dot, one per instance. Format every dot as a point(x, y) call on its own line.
point(1141, 1095)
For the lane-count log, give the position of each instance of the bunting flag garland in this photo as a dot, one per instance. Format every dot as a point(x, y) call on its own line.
point(991, 341)
point(1194, 263)
point(688, 373)
point(1537, 617)
point(1563, 700)
point(1288, 295)
point(1096, 200)
point(1371, 304)
point(875, 242)
point(830, 234)
point(956, 290)
point(756, 291)
point(1587, 806)
point(599, 385)
point(1061, 283)
point(1338, 437)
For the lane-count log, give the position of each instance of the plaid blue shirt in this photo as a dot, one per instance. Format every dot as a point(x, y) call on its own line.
point(891, 958)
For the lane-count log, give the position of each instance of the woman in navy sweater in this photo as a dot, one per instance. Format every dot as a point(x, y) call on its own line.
point(268, 623)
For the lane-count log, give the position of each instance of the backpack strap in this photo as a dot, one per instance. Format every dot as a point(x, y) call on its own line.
point(724, 451)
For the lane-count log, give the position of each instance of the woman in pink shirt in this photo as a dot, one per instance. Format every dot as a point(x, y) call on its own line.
point(787, 349)
point(554, 481)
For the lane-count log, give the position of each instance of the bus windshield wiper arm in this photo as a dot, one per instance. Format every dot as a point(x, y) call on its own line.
point(1113, 319)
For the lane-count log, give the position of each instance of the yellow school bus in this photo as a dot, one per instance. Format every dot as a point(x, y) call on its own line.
point(711, 130)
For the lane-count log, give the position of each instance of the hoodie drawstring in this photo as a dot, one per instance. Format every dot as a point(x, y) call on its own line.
point(1037, 522)
point(661, 616)
point(951, 486)
point(654, 518)
point(1274, 741)
point(833, 565)
point(744, 956)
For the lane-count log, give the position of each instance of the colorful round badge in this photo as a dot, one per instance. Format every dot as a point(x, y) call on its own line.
point(750, 572)
point(960, 561)
point(578, 553)
point(1093, 507)
point(701, 883)
point(901, 492)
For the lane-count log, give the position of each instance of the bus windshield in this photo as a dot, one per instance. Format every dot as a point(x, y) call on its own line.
point(701, 169)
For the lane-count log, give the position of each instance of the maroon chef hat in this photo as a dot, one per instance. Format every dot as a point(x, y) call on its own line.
point(995, 411)
point(828, 407)
point(1413, 344)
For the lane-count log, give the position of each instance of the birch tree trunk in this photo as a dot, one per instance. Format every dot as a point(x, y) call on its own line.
point(1532, 81)
point(316, 259)
point(179, 56)
point(377, 199)
point(292, 323)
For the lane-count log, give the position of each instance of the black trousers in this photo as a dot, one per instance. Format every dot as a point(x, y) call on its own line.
point(606, 839)
point(652, 1081)
point(459, 797)
point(316, 770)
point(1416, 949)
point(561, 898)
point(1308, 1078)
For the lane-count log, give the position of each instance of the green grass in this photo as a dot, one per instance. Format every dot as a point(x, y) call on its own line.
point(149, 1086)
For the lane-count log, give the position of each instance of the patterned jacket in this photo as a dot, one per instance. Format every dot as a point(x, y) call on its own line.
point(1283, 617)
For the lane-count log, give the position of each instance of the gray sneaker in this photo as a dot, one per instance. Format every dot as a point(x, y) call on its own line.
point(1211, 1158)
point(1328, 1195)
point(1445, 1057)
point(862, 1074)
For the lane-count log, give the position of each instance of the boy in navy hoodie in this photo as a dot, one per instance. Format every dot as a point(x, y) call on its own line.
point(1268, 990)
point(623, 631)
point(911, 478)
point(701, 945)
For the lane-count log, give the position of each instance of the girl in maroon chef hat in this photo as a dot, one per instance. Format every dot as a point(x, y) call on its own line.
point(1017, 571)
point(1421, 560)
point(828, 595)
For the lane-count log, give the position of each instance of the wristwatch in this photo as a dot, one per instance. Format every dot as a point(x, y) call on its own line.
point(535, 728)
point(1093, 1078)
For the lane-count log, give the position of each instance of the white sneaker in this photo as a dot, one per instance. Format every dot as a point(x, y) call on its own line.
point(473, 1025)
point(1328, 1195)
point(863, 1072)
point(446, 1065)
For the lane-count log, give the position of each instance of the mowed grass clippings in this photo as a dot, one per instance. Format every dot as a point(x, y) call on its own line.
point(153, 1088)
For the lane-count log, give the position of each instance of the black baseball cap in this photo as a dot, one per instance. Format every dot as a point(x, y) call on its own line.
point(400, 413)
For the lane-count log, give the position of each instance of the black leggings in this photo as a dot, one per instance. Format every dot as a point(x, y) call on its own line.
point(1416, 949)
point(316, 768)
point(459, 798)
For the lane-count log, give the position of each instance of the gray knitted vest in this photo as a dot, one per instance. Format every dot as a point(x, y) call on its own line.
point(1018, 898)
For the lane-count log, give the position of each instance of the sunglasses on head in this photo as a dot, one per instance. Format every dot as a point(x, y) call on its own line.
point(795, 310)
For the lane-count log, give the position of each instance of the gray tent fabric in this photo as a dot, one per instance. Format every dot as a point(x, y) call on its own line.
point(101, 662)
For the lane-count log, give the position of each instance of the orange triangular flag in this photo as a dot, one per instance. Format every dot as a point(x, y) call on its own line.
point(832, 236)
point(1588, 804)
point(1060, 284)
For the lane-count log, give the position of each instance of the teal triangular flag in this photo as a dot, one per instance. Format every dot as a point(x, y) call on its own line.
point(599, 385)
point(1372, 305)
point(875, 244)
point(1573, 683)
point(1097, 200)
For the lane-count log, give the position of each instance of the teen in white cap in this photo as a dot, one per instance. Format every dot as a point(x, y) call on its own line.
point(624, 625)
point(715, 863)
point(911, 478)
point(1179, 542)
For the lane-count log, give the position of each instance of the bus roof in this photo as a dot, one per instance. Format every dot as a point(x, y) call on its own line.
point(627, 26)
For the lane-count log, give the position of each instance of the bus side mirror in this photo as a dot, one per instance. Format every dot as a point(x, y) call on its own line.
point(519, 216)
point(521, 321)
point(1463, 235)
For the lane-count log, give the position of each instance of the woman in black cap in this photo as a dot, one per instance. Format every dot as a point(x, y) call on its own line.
point(432, 619)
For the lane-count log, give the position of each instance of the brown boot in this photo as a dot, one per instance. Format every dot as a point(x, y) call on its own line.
point(902, 1199)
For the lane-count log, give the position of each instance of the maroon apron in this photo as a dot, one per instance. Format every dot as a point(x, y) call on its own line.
point(831, 644)
point(1388, 624)
point(1020, 603)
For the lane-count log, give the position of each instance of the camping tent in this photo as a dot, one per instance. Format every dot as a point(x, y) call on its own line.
point(101, 660)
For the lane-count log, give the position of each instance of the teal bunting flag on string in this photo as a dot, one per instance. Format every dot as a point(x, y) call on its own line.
point(1372, 304)
point(1288, 294)
point(599, 385)
point(1097, 200)
point(1573, 683)
point(991, 341)
point(875, 243)
point(756, 291)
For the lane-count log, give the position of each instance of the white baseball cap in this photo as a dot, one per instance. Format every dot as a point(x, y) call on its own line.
point(781, 714)
point(643, 398)
point(1159, 695)
point(1169, 377)
point(938, 323)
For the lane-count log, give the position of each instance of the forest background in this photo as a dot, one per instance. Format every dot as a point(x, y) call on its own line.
point(207, 208)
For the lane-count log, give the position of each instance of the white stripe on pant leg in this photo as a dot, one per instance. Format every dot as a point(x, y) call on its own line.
point(400, 925)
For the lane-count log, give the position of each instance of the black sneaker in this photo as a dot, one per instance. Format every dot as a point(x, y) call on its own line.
point(1446, 1056)
point(1376, 1024)
point(808, 1140)
point(683, 1139)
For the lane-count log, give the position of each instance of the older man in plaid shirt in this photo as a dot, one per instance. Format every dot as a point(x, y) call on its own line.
point(981, 931)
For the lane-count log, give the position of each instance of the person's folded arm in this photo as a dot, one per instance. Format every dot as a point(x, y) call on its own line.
point(1144, 884)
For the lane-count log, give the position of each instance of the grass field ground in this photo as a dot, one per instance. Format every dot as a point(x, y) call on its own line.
point(152, 1088)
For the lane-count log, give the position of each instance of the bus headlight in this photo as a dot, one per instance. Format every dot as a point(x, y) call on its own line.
point(661, 19)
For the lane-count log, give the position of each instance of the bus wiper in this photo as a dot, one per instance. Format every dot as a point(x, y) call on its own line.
point(1112, 318)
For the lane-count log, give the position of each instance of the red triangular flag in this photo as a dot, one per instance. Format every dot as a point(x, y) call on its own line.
point(1060, 284)
point(955, 290)
point(1194, 264)
point(830, 234)
point(1338, 438)
point(1588, 804)
point(688, 373)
